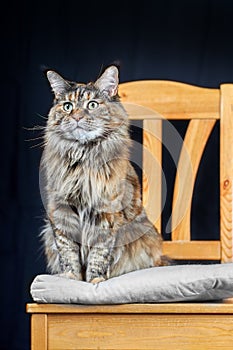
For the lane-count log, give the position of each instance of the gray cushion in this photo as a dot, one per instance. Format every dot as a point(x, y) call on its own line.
point(154, 285)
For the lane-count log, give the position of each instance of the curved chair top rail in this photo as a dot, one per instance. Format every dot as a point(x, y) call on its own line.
point(173, 100)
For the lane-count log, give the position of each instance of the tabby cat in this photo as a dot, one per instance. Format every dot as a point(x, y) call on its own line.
point(96, 226)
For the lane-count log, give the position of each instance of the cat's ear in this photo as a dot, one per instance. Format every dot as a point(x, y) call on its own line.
point(108, 81)
point(58, 84)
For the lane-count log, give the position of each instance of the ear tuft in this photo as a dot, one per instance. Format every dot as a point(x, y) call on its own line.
point(58, 84)
point(108, 81)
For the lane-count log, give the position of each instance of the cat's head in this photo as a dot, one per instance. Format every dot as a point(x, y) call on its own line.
point(85, 113)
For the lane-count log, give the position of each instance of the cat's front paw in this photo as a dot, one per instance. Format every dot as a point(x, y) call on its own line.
point(71, 275)
point(97, 280)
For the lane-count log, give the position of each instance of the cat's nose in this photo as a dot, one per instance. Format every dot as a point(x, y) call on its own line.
point(77, 116)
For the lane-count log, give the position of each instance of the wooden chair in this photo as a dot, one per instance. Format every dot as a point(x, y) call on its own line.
point(161, 326)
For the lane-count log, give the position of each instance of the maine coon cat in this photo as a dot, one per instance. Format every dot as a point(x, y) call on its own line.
point(96, 226)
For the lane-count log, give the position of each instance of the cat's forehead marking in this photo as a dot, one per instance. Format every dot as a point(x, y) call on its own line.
point(81, 93)
point(74, 95)
point(88, 95)
point(71, 96)
point(85, 93)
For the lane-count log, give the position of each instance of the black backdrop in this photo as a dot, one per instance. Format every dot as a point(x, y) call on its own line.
point(188, 41)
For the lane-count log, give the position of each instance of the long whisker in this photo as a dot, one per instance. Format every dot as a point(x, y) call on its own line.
point(42, 144)
point(41, 116)
point(34, 139)
point(35, 128)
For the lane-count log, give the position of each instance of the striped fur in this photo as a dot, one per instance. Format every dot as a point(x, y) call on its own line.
point(96, 227)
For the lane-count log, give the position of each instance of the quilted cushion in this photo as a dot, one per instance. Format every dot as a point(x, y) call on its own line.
point(154, 285)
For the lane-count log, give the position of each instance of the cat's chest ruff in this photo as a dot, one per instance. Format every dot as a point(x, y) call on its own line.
point(83, 186)
point(101, 191)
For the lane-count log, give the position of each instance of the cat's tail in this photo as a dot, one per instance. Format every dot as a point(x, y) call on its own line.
point(166, 261)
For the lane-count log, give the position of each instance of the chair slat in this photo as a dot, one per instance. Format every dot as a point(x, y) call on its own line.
point(152, 172)
point(193, 146)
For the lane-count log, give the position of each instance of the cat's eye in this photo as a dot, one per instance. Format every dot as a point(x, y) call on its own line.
point(68, 107)
point(92, 105)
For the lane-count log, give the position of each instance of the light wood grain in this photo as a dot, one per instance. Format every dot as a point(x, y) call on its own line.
point(39, 332)
point(152, 170)
point(145, 332)
point(172, 100)
point(139, 112)
point(193, 250)
point(220, 307)
point(194, 144)
point(226, 172)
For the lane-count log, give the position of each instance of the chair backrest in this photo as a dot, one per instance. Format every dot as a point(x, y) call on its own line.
point(156, 101)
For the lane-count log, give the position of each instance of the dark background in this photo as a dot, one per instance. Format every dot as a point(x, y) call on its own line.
point(187, 41)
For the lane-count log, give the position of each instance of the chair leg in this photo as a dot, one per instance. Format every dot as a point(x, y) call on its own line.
point(39, 332)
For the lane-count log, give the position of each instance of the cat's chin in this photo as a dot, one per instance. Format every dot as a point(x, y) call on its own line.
point(82, 136)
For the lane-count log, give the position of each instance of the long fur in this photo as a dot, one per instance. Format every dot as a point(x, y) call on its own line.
point(96, 227)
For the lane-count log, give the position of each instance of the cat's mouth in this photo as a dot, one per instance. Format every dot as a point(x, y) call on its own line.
point(79, 127)
point(72, 126)
point(77, 131)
